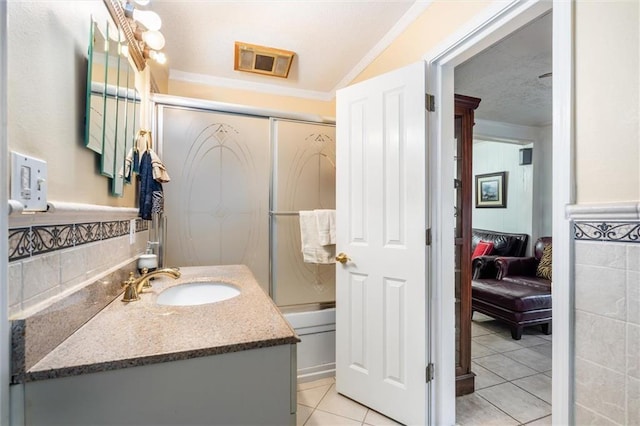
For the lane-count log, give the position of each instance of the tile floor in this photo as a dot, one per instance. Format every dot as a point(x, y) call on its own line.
point(513, 385)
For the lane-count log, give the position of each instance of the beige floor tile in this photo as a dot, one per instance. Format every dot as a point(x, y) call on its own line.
point(545, 349)
point(473, 410)
point(498, 342)
point(479, 317)
point(316, 383)
point(478, 350)
point(374, 418)
point(539, 385)
point(545, 421)
point(493, 325)
point(311, 397)
point(335, 403)
point(302, 414)
point(477, 329)
point(531, 359)
point(519, 404)
point(505, 367)
point(321, 418)
point(484, 377)
point(527, 340)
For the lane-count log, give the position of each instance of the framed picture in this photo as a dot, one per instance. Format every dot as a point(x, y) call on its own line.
point(491, 190)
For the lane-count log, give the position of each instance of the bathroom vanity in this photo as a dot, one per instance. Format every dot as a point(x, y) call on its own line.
point(229, 362)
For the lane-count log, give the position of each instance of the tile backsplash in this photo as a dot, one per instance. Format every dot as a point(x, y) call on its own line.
point(47, 262)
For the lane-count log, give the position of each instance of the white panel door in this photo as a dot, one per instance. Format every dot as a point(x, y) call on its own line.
point(381, 203)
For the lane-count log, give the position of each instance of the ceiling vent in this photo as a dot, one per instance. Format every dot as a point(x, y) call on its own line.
point(262, 60)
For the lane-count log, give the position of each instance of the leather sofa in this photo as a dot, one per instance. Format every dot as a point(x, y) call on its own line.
point(516, 295)
point(504, 244)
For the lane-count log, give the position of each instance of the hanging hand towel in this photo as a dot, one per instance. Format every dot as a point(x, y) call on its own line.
point(326, 221)
point(159, 170)
point(150, 199)
point(312, 250)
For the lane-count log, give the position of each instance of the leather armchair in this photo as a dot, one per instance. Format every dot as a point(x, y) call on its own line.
point(523, 268)
point(504, 244)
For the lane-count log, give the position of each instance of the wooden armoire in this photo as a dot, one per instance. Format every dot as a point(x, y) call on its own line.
point(463, 181)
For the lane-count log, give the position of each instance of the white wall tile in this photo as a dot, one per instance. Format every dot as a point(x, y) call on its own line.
point(633, 257)
point(601, 389)
point(73, 266)
point(601, 340)
point(586, 417)
point(633, 297)
point(610, 255)
point(40, 274)
point(633, 350)
point(601, 291)
point(15, 283)
point(15, 288)
point(633, 401)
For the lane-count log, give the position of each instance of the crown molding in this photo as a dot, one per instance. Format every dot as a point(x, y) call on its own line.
point(231, 83)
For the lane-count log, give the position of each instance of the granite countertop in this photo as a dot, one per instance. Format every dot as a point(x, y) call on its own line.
point(138, 333)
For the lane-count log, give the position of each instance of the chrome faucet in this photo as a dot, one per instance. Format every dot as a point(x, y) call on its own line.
point(133, 286)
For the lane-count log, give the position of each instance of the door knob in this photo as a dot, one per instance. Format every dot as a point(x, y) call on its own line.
point(342, 258)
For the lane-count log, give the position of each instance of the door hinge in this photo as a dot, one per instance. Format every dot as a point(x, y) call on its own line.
point(429, 372)
point(430, 102)
point(428, 236)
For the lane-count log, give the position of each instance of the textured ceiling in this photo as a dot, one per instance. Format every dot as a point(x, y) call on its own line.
point(505, 77)
point(330, 37)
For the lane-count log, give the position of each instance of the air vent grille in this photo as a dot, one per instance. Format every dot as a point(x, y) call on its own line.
point(262, 60)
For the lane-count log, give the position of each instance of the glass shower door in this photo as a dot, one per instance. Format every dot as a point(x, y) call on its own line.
point(303, 178)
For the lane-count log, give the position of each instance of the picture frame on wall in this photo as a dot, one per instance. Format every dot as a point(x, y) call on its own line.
point(491, 190)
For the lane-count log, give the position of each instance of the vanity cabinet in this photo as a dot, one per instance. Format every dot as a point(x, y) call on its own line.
point(256, 386)
point(463, 181)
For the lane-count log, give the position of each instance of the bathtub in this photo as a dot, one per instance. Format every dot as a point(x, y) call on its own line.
point(316, 328)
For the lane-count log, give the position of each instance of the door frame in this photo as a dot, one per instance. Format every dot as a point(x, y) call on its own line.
point(5, 346)
point(496, 22)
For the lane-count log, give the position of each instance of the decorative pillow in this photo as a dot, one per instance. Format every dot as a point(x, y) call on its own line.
point(545, 265)
point(482, 249)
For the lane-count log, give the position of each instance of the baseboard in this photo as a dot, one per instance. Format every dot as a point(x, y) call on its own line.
point(316, 372)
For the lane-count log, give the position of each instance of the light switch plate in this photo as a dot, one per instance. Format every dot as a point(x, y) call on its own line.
point(29, 181)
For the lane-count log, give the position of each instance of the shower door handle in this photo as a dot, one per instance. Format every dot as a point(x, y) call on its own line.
point(342, 258)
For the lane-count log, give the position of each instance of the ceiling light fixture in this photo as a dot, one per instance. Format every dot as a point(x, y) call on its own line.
point(139, 30)
point(147, 18)
point(153, 39)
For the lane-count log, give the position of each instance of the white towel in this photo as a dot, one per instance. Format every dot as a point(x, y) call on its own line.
point(312, 250)
point(326, 220)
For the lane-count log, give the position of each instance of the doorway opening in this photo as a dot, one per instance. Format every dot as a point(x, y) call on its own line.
point(508, 204)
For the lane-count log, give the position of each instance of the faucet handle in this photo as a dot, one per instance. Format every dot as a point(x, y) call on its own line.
point(130, 292)
point(129, 281)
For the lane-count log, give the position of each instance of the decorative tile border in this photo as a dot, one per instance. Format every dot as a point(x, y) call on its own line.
point(622, 232)
point(35, 240)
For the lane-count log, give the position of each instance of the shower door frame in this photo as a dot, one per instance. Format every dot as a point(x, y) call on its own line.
point(157, 100)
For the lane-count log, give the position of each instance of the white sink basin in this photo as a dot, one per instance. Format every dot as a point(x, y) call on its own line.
point(197, 293)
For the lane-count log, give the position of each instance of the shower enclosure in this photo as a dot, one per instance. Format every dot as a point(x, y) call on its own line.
point(239, 177)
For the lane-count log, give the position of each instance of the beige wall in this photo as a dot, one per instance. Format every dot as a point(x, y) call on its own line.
point(607, 144)
point(47, 65)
